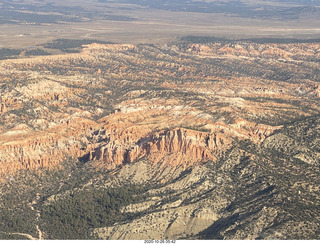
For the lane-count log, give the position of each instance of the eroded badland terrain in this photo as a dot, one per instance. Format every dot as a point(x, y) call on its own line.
point(192, 138)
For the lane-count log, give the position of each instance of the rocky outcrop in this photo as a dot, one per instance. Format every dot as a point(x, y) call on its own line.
point(45, 90)
point(264, 50)
point(175, 223)
point(96, 47)
point(179, 146)
point(24, 148)
point(164, 218)
point(172, 147)
point(256, 132)
point(121, 103)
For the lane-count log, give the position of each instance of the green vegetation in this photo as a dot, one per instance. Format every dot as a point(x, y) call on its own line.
point(6, 53)
point(71, 45)
point(203, 39)
point(76, 214)
point(76, 208)
point(36, 52)
point(16, 218)
point(118, 17)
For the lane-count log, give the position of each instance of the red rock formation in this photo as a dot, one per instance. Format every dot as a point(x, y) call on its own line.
point(171, 147)
point(148, 123)
point(22, 148)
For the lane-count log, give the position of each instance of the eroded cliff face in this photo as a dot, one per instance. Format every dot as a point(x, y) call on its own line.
point(295, 51)
point(134, 131)
point(206, 129)
point(23, 148)
point(173, 147)
point(107, 107)
point(178, 146)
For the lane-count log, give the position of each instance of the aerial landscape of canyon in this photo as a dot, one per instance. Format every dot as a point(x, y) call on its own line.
point(159, 120)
